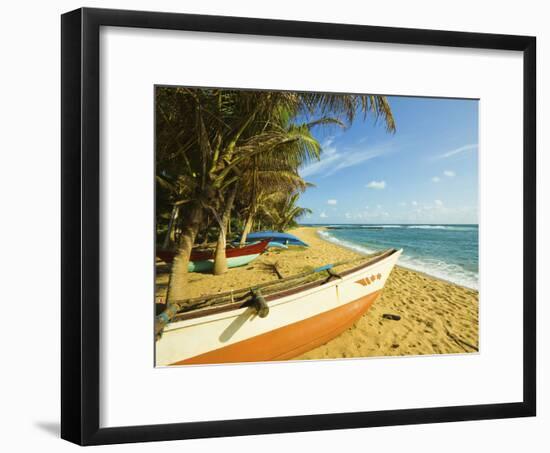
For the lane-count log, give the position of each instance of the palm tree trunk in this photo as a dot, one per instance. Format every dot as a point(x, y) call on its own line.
point(178, 273)
point(169, 236)
point(220, 260)
point(247, 227)
point(204, 242)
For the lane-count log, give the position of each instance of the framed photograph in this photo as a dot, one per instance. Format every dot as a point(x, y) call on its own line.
point(274, 226)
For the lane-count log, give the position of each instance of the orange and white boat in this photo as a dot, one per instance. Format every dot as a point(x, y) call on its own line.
point(277, 326)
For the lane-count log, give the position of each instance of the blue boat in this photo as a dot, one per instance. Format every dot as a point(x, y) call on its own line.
point(276, 236)
point(271, 244)
point(276, 245)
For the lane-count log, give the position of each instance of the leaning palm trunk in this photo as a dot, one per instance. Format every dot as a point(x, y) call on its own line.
point(220, 260)
point(247, 227)
point(178, 273)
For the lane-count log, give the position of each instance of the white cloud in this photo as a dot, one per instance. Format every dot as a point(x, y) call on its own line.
point(334, 160)
point(377, 185)
point(438, 212)
point(455, 151)
point(449, 173)
point(378, 215)
point(436, 179)
point(328, 159)
point(329, 141)
point(347, 215)
point(323, 215)
point(332, 202)
point(379, 206)
point(402, 204)
point(414, 203)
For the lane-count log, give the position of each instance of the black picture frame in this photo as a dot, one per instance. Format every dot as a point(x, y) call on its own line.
point(80, 264)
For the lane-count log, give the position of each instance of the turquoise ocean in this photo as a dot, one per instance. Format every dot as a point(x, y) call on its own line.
point(448, 252)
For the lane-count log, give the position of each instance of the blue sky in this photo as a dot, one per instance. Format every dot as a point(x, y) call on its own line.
point(427, 172)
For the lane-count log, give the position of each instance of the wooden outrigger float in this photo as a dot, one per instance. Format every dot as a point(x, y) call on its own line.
point(277, 320)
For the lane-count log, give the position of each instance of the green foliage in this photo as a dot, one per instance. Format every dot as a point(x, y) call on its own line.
point(209, 140)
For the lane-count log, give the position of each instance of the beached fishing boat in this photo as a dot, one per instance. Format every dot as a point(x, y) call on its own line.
point(203, 260)
point(278, 320)
point(272, 244)
point(276, 236)
point(276, 245)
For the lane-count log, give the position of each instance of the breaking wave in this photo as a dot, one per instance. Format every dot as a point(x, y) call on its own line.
point(440, 267)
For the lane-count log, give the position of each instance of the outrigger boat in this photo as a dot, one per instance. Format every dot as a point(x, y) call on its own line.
point(278, 320)
point(203, 260)
point(276, 236)
point(272, 244)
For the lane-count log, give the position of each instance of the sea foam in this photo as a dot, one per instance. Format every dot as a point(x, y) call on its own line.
point(438, 268)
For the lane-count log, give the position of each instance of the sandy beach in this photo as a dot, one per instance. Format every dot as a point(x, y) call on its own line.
point(436, 317)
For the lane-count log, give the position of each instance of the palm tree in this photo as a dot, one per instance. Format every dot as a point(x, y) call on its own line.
point(176, 194)
point(270, 173)
point(289, 212)
point(209, 135)
point(287, 147)
point(280, 211)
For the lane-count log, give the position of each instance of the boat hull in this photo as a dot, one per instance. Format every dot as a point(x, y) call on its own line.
point(289, 341)
point(299, 320)
point(207, 265)
point(276, 236)
point(275, 244)
point(202, 261)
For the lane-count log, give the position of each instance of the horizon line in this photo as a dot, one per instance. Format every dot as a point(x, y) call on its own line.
point(386, 223)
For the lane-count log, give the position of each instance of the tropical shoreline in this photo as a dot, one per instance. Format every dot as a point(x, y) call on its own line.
point(324, 234)
point(423, 273)
point(436, 316)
